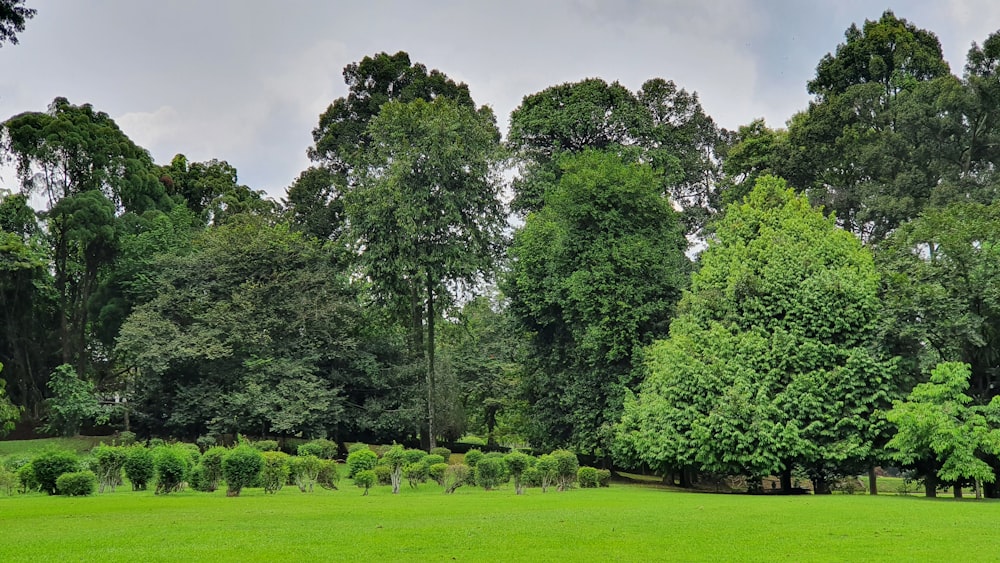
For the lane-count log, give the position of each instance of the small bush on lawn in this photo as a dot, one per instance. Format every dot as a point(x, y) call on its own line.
point(50, 465)
point(517, 464)
point(206, 442)
point(436, 472)
point(357, 446)
point(491, 471)
point(566, 468)
point(383, 474)
point(365, 479)
point(414, 456)
point(329, 474)
point(395, 459)
point(172, 464)
point(472, 457)
point(445, 453)
point(125, 438)
point(431, 459)
point(305, 471)
point(27, 482)
point(320, 447)
point(241, 467)
point(110, 461)
point(548, 471)
point(139, 466)
point(587, 477)
point(196, 479)
point(275, 471)
point(211, 461)
point(415, 473)
point(361, 460)
point(8, 481)
point(266, 445)
point(77, 484)
point(455, 476)
point(532, 477)
point(603, 478)
point(193, 452)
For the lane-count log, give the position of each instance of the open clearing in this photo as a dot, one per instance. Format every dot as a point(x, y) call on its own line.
point(621, 523)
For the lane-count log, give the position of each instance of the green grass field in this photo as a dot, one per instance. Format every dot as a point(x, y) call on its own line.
point(621, 523)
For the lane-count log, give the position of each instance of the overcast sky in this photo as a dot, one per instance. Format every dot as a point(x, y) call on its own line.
point(245, 80)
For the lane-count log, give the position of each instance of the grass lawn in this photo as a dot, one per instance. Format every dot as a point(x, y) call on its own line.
point(80, 444)
point(622, 523)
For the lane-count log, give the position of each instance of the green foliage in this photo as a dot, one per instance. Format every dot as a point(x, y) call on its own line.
point(365, 479)
point(73, 402)
point(603, 477)
point(356, 446)
point(28, 481)
point(306, 470)
point(9, 413)
point(241, 467)
point(125, 438)
point(329, 474)
point(139, 466)
point(211, 460)
point(384, 474)
point(587, 477)
point(416, 473)
point(517, 463)
point(198, 480)
point(360, 460)
point(415, 456)
point(172, 464)
point(321, 448)
point(472, 457)
point(77, 484)
point(266, 445)
point(566, 466)
point(437, 472)
point(445, 453)
point(8, 481)
point(275, 472)
point(455, 476)
point(491, 471)
point(49, 465)
point(548, 470)
point(110, 462)
point(431, 459)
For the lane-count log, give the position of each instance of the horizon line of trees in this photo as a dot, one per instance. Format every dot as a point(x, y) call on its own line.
point(844, 314)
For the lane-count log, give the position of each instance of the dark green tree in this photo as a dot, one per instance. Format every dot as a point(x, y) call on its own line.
point(13, 16)
point(594, 276)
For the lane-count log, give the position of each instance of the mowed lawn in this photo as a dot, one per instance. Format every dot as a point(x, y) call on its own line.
point(621, 523)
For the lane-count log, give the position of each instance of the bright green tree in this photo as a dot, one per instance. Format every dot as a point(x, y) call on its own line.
point(769, 363)
point(73, 402)
point(594, 276)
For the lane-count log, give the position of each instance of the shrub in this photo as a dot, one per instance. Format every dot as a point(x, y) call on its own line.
point(172, 464)
point(848, 485)
point(329, 474)
point(8, 481)
point(196, 479)
point(414, 456)
point(275, 471)
point(192, 451)
point(431, 459)
point(125, 438)
point(50, 465)
point(241, 466)
point(472, 457)
point(266, 445)
point(566, 468)
point(27, 481)
point(445, 453)
point(155, 443)
point(491, 471)
point(517, 463)
point(603, 477)
point(365, 479)
point(532, 477)
point(305, 471)
point(357, 446)
point(206, 442)
point(77, 484)
point(139, 466)
point(547, 468)
point(436, 472)
point(455, 476)
point(395, 458)
point(211, 461)
point(110, 461)
point(383, 473)
point(587, 476)
point(321, 448)
point(361, 460)
point(415, 473)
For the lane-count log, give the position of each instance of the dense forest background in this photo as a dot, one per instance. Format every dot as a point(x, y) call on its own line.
point(619, 275)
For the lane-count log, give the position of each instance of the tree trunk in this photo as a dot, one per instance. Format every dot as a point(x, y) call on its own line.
point(821, 486)
point(958, 490)
point(786, 479)
point(685, 476)
point(930, 487)
point(431, 439)
point(872, 481)
point(979, 489)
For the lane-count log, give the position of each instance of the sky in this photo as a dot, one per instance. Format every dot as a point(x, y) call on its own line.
point(246, 80)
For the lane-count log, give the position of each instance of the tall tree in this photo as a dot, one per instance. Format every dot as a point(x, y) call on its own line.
point(769, 364)
point(211, 189)
point(594, 276)
point(13, 16)
point(425, 210)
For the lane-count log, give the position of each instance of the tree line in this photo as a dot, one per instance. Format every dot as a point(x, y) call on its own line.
point(842, 315)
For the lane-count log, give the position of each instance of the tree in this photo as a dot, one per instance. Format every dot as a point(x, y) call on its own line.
point(943, 434)
point(594, 276)
point(211, 190)
point(73, 402)
point(9, 414)
point(769, 364)
point(425, 211)
point(13, 15)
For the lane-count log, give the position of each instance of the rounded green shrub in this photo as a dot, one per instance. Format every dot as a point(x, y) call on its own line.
point(431, 459)
point(192, 450)
point(50, 465)
point(8, 481)
point(110, 462)
point(455, 476)
point(139, 466)
point(329, 474)
point(472, 457)
point(241, 467)
point(361, 460)
point(548, 470)
point(211, 461)
point(415, 473)
point(445, 453)
point(320, 447)
point(126, 438)
point(365, 479)
point(414, 456)
point(275, 471)
point(206, 442)
point(305, 471)
point(77, 484)
point(196, 479)
point(567, 465)
point(531, 477)
point(357, 446)
point(517, 463)
point(172, 464)
point(27, 481)
point(383, 473)
point(491, 471)
point(587, 477)
point(603, 478)
point(266, 445)
point(436, 472)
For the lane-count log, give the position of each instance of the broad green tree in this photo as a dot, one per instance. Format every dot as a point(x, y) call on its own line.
point(73, 402)
point(594, 275)
point(425, 211)
point(769, 364)
point(9, 413)
point(13, 16)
